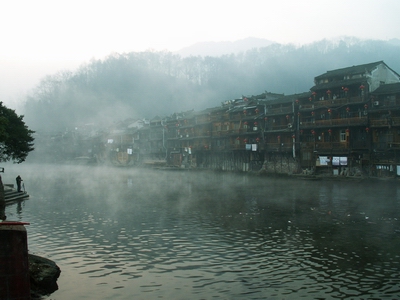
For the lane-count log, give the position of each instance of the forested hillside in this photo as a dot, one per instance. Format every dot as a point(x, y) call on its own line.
point(147, 84)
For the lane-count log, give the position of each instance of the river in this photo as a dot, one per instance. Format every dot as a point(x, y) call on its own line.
point(132, 234)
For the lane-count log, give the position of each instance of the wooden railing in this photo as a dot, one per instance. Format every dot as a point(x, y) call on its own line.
point(279, 110)
point(385, 122)
point(335, 122)
point(386, 145)
point(331, 103)
point(324, 145)
point(279, 146)
point(278, 127)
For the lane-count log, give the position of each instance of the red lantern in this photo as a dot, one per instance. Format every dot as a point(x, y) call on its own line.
point(245, 112)
point(245, 123)
point(367, 129)
point(329, 111)
point(245, 141)
point(330, 131)
point(362, 87)
point(297, 101)
point(256, 110)
point(365, 106)
point(347, 109)
point(328, 92)
point(347, 130)
point(266, 119)
point(314, 94)
point(313, 132)
point(310, 99)
point(238, 139)
point(312, 113)
point(255, 123)
point(257, 140)
point(346, 89)
point(293, 136)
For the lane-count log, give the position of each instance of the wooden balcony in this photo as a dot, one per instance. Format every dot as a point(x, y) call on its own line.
point(279, 147)
point(279, 110)
point(271, 128)
point(324, 145)
point(382, 146)
point(248, 131)
point(331, 103)
point(385, 122)
point(335, 122)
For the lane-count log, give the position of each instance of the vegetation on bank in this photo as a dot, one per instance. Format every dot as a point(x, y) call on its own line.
point(16, 139)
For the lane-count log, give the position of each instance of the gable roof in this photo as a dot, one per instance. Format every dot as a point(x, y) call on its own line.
point(350, 70)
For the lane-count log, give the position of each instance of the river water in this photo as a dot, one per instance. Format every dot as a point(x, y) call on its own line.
point(130, 234)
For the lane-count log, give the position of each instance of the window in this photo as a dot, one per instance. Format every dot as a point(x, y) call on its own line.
point(342, 135)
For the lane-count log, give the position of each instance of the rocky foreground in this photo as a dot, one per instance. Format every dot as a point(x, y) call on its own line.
point(43, 276)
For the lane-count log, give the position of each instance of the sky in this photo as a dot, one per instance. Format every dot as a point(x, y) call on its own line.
point(43, 37)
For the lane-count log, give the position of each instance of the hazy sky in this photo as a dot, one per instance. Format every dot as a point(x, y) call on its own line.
point(40, 37)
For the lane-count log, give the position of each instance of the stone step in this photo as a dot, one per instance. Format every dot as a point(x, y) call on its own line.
point(11, 195)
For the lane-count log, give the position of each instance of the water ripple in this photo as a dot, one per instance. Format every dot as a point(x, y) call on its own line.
point(202, 243)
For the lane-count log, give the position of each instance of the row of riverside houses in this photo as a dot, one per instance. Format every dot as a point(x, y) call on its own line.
point(347, 124)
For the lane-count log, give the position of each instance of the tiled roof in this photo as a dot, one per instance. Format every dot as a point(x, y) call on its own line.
point(350, 70)
point(388, 89)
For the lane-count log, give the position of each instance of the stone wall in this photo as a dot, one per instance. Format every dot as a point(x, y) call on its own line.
point(280, 164)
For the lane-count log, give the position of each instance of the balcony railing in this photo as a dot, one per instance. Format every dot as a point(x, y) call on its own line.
point(283, 147)
point(385, 122)
point(331, 103)
point(386, 146)
point(324, 145)
point(335, 122)
point(279, 110)
point(286, 127)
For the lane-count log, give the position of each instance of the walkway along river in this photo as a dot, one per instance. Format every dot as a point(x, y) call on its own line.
point(127, 234)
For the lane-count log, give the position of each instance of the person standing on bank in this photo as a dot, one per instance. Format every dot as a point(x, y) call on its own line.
point(18, 179)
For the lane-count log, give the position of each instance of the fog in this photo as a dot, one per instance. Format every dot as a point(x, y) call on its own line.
point(149, 84)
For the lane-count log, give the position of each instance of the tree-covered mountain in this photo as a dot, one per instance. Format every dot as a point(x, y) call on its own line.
point(146, 84)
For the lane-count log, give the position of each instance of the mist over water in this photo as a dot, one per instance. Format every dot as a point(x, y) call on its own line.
point(134, 234)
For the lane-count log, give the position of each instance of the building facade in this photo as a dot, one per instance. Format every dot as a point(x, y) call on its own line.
point(347, 124)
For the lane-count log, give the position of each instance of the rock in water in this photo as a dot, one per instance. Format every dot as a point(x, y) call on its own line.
point(43, 276)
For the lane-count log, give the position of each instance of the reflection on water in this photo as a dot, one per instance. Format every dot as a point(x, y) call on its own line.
point(183, 235)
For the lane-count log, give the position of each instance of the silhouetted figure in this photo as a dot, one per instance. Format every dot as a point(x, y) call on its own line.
point(18, 179)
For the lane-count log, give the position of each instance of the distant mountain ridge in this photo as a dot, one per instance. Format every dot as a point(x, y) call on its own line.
point(225, 47)
point(216, 49)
